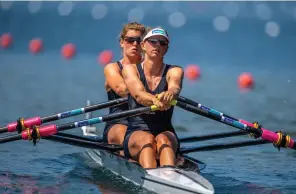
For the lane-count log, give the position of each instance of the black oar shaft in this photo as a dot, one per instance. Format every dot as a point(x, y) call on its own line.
point(3, 129)
point(105, 118)
point(53, 129)
point(86, 109)
point(186, 150)
point(10, 138)
point(181, 139)
point(212, 136)
point(196, 104)
point(86, 138)
point(28, 123)
point(83, 143)
point(279, 139)
point(218, 118)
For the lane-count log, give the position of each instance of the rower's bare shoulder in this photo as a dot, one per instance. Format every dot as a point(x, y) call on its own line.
point(111, 65)
point(129, 69)
point(130, 66)
point(175, 70)
point(112, 69)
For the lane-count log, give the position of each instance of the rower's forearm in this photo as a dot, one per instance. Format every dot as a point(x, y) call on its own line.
point(175, 90)
point(145, 98)
point(122, 90)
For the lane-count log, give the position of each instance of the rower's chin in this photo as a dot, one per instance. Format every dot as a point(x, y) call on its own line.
point(134, 54)
point(154, 56)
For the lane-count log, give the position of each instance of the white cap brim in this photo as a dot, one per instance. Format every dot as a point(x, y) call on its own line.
point(157, 32)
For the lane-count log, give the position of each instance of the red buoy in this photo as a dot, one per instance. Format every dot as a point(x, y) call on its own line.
point(6, 40)
point(245, 81)
point(105, 57)
point(35, 45)
point(192, 72)
point(68, 51)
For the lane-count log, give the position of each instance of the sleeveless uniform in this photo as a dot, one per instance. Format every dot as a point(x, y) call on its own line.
point(116, 109)
point(153, 122)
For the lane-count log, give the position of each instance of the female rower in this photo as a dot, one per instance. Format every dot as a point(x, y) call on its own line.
point(129, 39)
point(152, 82)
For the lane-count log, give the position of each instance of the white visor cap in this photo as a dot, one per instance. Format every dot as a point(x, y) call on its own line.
point(157, 32)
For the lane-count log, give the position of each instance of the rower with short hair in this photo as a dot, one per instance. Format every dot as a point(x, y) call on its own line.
point(152, 82)
point(129, 39)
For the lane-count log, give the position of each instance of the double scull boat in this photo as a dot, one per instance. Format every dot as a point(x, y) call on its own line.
point(184, 178)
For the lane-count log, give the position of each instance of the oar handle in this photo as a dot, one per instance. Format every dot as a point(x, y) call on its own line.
point(155, 108)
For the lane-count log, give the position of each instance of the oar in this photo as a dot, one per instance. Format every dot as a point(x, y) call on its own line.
point(181, 139)
point(43, 131)
point(22, 124)
point(212, 136)
point(84, 143)
point(88, 143)
point(278, 139)
point(222, 146)
point(86, 138)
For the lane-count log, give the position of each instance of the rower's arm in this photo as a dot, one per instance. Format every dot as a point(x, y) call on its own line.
point(115, 80)
point(174, 79)
point(136, 87)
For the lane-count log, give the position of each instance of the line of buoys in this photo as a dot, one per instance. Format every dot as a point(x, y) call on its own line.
point(245, 80)
point(68, 51)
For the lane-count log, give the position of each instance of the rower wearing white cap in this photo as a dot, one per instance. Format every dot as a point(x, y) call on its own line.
point(152, 82)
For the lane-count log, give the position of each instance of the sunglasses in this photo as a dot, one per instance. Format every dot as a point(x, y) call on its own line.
point(160, 41)
point(132, 39)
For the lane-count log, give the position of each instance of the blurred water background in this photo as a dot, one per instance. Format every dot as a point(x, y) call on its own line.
point(223, 38)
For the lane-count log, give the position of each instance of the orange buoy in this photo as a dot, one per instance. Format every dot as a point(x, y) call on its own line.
point(68, 50)
point(105, 57)
point(35, 45)
point(192, 72)
point(6, 40)
point(245, 80)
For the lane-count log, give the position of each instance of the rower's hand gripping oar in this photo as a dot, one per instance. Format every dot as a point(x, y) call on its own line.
point(42, 131)
point(22, 124)
point(278, 139)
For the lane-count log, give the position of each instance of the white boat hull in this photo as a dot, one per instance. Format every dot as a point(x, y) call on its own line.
point(168, 180)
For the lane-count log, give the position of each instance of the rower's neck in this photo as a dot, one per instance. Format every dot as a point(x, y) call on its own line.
point(128, 60)
point(152, 68)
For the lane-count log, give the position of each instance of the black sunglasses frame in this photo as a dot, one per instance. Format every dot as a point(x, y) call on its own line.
point(132, 39)
point(154, 41)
